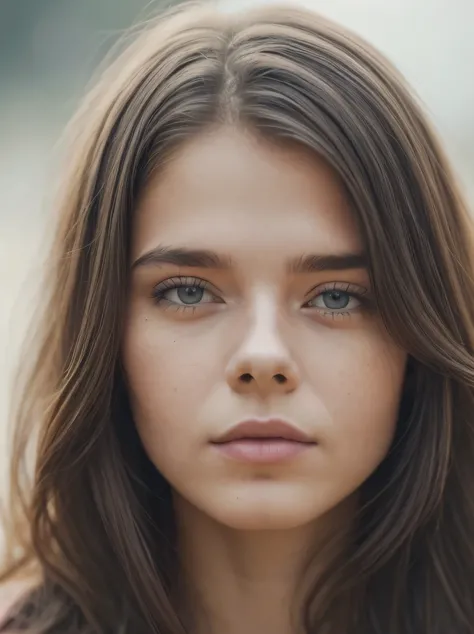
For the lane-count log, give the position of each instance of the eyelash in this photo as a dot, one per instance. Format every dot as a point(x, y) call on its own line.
point(175, 283)
point(353, 291)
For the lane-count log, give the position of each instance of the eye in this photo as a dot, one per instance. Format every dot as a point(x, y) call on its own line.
point(187, 295)
point(183, 293)
point(338, 299)
point(335, 300)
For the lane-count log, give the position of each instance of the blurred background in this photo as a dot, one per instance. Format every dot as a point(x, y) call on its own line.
point(49, 50)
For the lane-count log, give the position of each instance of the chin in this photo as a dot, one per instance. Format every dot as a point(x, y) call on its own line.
point(265, 510)
point(259, 522)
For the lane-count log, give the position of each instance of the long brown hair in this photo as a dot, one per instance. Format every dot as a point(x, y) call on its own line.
point(99, 524)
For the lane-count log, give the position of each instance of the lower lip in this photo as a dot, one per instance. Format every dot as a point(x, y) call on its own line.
point(262, 450)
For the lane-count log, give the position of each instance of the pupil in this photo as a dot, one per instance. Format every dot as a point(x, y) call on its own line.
point(336, 299)
point(190, 294)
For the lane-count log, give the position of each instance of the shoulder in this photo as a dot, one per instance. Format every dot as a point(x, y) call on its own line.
point(9, 595)
point(11, 598)
point(42, 609)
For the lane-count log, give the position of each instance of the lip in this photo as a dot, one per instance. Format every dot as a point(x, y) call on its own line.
point(263, 441)
point(264, 428)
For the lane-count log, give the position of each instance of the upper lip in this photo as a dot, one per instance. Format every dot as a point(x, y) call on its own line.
point(264, 428)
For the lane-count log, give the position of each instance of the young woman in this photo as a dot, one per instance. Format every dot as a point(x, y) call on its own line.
point(253, 396)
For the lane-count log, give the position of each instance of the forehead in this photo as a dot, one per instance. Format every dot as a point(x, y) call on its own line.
point(228, 190)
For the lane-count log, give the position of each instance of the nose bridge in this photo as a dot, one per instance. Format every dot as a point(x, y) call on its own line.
point(263, 361)
point(263, 340)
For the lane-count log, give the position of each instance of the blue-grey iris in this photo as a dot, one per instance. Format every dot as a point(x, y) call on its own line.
point(336, 299)
point(190, 294)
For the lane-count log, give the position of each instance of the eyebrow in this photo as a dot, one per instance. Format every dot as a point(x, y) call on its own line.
point(315, 263)
point(204, 259)
point(179, 256)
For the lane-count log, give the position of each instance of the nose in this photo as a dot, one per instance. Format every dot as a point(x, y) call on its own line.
point(263, 365)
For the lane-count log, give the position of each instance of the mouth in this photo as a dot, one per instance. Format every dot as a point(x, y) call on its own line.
point(263, 441)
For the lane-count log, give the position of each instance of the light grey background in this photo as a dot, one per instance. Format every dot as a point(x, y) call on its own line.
point(50, 48)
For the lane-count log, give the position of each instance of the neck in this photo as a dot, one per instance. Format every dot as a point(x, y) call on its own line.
point(249, 582)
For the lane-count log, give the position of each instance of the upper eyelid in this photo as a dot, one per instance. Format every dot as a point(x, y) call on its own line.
point(188, 280)
point(347, 287)
point(182, 279)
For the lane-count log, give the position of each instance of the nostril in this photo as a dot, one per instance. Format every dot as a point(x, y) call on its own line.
point(280, 378)
point(246, 378)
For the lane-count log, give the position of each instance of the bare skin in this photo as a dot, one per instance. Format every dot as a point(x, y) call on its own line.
point(247, 580)
point(194, 329)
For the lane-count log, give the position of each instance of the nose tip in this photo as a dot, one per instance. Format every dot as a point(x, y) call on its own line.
point(263, 379)
point(279, 378)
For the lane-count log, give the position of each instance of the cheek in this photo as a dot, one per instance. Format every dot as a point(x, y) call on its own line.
point(168, 377)
point(360, 388)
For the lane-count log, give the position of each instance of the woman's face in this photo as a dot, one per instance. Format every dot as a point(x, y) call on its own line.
point(250, 301)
